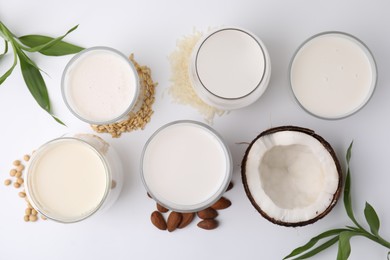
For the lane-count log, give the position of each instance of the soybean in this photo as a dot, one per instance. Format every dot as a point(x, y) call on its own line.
point(16, 163)
point(34, 212)
point(33, 218)
point(12, 172)
point(20, 181)
point(28, 211)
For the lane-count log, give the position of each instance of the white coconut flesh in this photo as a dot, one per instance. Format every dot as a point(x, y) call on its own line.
point(291, 176)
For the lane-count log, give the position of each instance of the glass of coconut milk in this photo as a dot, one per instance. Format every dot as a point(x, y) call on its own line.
point(71, 178)
point(230, 68)
point(333, 75)
point(186, 166)
point(100, 86)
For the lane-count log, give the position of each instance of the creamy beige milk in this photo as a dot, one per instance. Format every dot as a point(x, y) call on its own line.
point(333, 75)
point(67, 180)
point(184, 165)
point(100, 85)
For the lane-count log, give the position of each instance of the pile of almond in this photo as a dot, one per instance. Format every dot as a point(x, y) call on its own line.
point(180, 220)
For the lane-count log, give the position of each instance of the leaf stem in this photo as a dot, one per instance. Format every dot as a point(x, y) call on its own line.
point(5, 48)
point(374, 238)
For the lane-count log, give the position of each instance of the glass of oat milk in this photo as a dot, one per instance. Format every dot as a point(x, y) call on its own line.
point(100, 86)
point(73, 177)
point(186, 166)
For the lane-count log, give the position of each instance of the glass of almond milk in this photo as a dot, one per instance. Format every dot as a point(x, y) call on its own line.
point(186, 166)
point(73, 177)
point(100, 86)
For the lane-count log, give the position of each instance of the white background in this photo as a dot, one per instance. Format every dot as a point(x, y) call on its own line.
point(149, 29)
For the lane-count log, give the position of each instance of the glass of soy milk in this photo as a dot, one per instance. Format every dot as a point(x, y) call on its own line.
point(71, 178)
point(100, 86)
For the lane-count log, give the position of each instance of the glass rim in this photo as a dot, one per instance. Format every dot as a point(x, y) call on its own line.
point(211, 199)
point(79, 55)
point(372, 62)
point(35, 156)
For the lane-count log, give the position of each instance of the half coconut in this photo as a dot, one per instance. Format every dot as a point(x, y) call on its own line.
point(291, 175)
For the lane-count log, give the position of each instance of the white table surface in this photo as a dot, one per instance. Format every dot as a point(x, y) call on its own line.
point(149, 29)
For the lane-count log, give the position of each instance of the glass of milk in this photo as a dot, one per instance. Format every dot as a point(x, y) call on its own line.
point(71, 178)
point(100, 86)
point(333, 75)
point(230, 68)
point(186, 166)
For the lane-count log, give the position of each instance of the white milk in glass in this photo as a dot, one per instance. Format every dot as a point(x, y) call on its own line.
point(100, 85)
point(186, 166)
point(230, 68)
point(333, 75)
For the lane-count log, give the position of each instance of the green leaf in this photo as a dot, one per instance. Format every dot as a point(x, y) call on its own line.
point(349, 153)
point(9, 71)
point(27, 59)
point(58, 120)
point(314, 240)
point(347, 188)
point(347, 196)
point(1, 32)
point(5, 33)
point(34, 81)
point(30, 71)
point(59, 49)
point(5, 49)
point(49, 44)
point(372, 219)
point(318, 249)
point(344, 245)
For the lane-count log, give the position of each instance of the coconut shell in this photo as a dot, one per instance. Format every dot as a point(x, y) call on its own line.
point(327, 146)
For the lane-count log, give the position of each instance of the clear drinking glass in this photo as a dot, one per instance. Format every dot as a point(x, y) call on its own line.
point(104, 95)
point(173, 148)
point(245, 59)
point(41, 191)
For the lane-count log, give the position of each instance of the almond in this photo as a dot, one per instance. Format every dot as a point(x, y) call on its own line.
point(162, 209)
point(186, 219)
point(174, 220)
point(207, 213)
point(231, 185)
point(158, 220)
point(222, 203)
point(208, 224)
